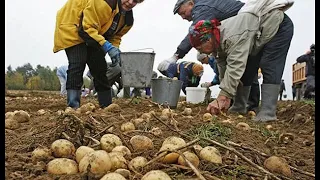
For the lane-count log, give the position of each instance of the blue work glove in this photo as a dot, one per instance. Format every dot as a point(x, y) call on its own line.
point(114, 53)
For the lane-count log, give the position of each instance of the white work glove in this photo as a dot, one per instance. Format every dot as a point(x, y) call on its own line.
point(163, 65)
point(206, 84)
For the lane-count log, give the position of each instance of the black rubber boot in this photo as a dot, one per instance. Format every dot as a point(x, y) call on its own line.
point(240, 101)
point(73, 98)
point(104, 98)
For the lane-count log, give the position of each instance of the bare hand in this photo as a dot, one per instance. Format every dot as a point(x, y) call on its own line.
point(222, 103)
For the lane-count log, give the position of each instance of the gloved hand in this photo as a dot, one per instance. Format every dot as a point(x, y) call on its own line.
point(114, 52)
point(206, 84)
point(163, 65)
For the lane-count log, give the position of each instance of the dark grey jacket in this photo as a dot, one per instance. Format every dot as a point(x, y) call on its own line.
point(207, 10)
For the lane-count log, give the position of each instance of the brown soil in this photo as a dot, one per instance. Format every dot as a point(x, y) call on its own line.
point(42, 130)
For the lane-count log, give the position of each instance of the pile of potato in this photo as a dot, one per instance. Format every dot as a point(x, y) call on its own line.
point(13, 119)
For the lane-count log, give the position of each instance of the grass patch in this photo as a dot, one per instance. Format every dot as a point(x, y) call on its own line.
point(214, 131)
point(309, 101)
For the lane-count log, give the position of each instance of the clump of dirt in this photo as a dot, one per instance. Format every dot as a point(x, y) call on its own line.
point(291, 137)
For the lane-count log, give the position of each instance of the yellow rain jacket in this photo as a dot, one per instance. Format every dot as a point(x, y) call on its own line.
point(94, 18)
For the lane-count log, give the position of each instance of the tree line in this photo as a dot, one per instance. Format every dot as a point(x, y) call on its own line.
point(26, 77)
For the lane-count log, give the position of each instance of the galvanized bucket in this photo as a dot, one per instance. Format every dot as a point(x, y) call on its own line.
point(136, 68)
point(166, 91)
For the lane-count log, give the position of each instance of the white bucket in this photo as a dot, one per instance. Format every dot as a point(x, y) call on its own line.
point(195, 94)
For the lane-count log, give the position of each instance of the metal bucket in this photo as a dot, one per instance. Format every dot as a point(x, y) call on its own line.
point(166, 91)
point(136, 68)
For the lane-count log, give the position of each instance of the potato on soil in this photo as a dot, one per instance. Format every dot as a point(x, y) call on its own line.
point(69, 110)
point(11, 124)
point(97, 162)
point(9, 115)
point(172, 157)
point(167, 112)
point(41, 154)
point(146, 116)
point(243, 126)
point(21, 116)
point(112, 108)
point(156, 175)
point(207, 117)
point(113, 176)
point(62, 148)
point(193, 158)
point(140, 142)
point(117, 160)
point(123, 149)
point(278, 165)
point(82, 151)
point(128, 126)
point(124, 172)
point(138, 162)
point(211, 154)
point(187, 111)
point(138, 121)
point(174, 140)
point(87, 107)
point(156, 131)
point(61, 166)
point(110, 141)
point(41, 112)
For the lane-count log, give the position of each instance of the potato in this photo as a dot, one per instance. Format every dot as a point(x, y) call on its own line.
point(21, 116)
point(197, 148)
point(269, 127)
point(123, 149)
point(251, 114)
point(60, 166)
point(41, 112)
point(62, 148)
point(156, 175)
point(278, 165)
point(41, 154)
point(211, 154)
point(110, 141)
point(156, 131)
point(128, 126)
point(193, 158)
point(11, 124)
point(87, 107)
point(146, 116)
point(207, 117)
point(174, 140)
point(117, 160)
point(82, 151)
point(140, 142)
point(96, 162)
point(69, 110)
point(9, 115)
point(138, 121)
point(166, 112)
point(187, 111)
point(112, 108)
point(243, 126)
point(113, 176)
point(138, 162)
point(124, 172)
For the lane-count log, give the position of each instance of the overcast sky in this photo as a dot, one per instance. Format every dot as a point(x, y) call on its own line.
point(30, 28)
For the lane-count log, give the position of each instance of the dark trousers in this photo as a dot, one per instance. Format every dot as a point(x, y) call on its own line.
point(280, 95)
point(80, 55)
point(254, 96)
point(272, 57)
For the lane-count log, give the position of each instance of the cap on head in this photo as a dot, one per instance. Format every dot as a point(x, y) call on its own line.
point(197, 69)
point(201, 56)
point(178, 5)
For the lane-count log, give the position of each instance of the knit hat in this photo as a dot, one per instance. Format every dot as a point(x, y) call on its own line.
point(197, 69)
point(203, 30)
point(201, 56)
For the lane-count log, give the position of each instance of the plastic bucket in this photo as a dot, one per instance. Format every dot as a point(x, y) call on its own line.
point(136, 68)
point(166, 91)
point(195, 94)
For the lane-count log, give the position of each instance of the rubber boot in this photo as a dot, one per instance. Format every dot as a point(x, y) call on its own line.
point(269, 98)
point(73, 98)
point(104, 98)
point(240, 101)
point(126, 92)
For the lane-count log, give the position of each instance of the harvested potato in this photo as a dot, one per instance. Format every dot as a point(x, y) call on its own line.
point(140, 142)
point(251, 114)
point(128, 126)
point(269, 127)
point(41, 112)
point(146, 116)
point(11, 124)
point(82, 151)
point(211, 154)
point(97, 162)
point(117, 160)
point(187, 111)
point(171, 157)
point(278, 165)
point(87, 107)
point(61, 166)
point(152, 113)
point(207, 117)
point(124, 172)
point(156, 131)
point(110, 141)
point(112, 108)
point(113, 176)
point(21, 116)
point(174, 140)
point(40, 154)
point(138, 121)
point(193, 158)
point(122, 149)
point(167, 112)
point(243, 126)
point(138, 162)
point(164, 117)
point(156, 175)
point(197, 148)
point(9, 115)
point(62, 148)
point(69, 110)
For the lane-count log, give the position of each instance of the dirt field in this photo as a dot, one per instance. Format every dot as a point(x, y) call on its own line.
point(296, 118)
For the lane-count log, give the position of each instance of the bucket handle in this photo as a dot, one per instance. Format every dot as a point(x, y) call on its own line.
point(142, 49)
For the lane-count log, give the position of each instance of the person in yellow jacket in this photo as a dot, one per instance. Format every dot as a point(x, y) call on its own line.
point(88, 30)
